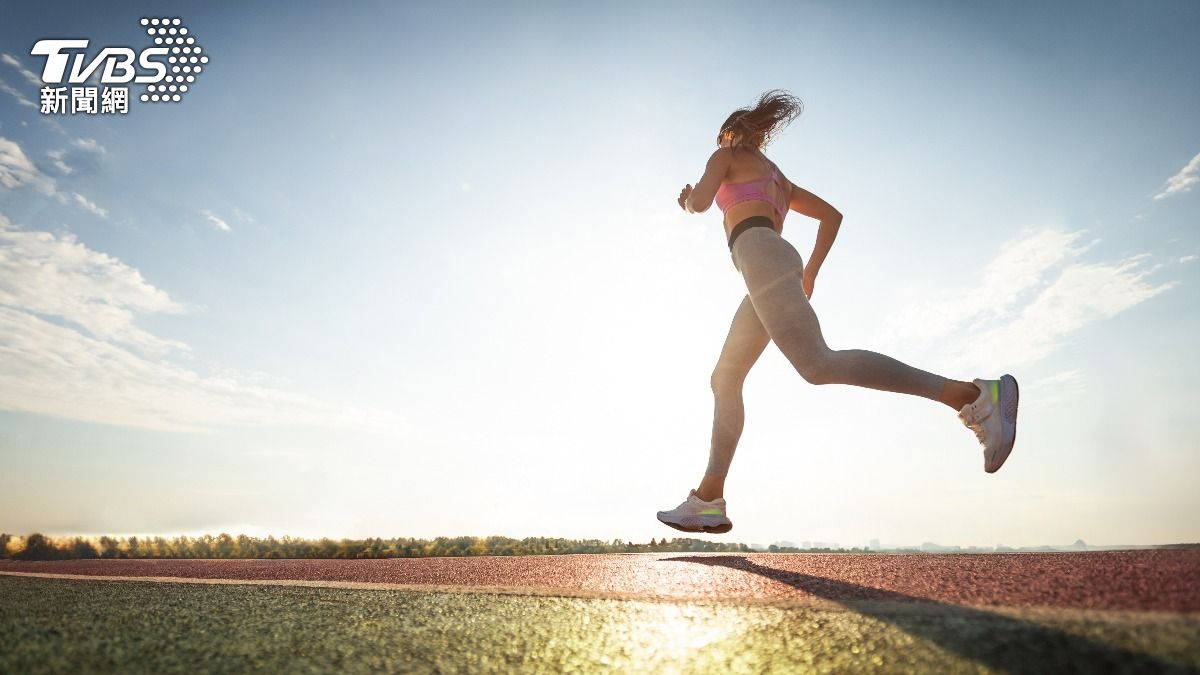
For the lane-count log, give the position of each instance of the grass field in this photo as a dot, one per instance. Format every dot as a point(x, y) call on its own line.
point(54, 625)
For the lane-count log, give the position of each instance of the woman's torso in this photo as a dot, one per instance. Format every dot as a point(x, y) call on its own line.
point(752, 176)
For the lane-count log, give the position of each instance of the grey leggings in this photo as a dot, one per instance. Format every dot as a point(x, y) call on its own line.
point(777, 309)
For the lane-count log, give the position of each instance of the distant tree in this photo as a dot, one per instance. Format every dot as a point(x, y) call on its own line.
point(223, 546)
point(327, 549)
point(500, 545)
point(201, 547)
point(109, 547)
point(4, 539)
point(247, 547)
point(38, 547)
point(348, 548)
point(286, 548)
point(161, 547)
point(226, 546)
point(181, 547)
point(82, 548)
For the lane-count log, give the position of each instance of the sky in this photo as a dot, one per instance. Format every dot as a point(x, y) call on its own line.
point(419, 270)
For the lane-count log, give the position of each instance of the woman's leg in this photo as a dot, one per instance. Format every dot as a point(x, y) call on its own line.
point(772, 269)
point(745, 343)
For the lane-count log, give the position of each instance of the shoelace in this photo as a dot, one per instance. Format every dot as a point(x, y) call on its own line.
point(979, 433)
point(974, 422)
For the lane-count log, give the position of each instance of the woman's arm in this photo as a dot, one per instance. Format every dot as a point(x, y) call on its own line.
point(804, 202)
point(698, 199)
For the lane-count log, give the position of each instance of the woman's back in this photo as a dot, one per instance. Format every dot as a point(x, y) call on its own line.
point(753, 185)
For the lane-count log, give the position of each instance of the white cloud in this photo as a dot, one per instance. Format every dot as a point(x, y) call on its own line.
point(17, 171)
point(59, 162)
point(91, 145)
point(69, 348)
point(36, 81)
point(1032, 296)
point(243, 216)
point(54, 370)
point(21, 98)
point(90, 205)
point(1082, 294)
point(1189, 258)
point(1017, 269)
point(53, 124)
point(1058, 379)
point(216, 221)
point(26, 73)
point(1182, 181)
point(61, 277)
point(1055, 389)
point(84, 147)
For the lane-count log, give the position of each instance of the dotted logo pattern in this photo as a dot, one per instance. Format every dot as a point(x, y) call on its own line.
point(185, 61)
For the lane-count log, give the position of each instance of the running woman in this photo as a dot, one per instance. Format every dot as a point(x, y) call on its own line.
point(755, 197)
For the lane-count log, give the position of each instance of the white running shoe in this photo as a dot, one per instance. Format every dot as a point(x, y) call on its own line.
point(993, 418)
point(697, 515)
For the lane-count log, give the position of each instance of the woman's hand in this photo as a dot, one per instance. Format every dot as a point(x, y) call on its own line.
point(809, 280)
point(683, 195)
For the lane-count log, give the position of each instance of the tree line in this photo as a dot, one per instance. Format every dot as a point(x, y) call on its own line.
point(41, 547)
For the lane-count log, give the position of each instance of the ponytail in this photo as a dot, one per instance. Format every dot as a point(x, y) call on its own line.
point(758, 126)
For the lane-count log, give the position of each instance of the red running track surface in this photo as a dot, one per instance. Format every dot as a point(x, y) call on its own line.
point(1150, 579)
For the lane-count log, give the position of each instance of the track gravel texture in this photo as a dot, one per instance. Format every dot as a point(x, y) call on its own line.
point(1096, 612)
point(1158, 579)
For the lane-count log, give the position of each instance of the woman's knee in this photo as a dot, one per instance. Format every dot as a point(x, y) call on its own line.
point(816, 366)
point(727, 380)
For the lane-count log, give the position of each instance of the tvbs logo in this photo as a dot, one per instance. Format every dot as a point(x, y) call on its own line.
point(167, 69)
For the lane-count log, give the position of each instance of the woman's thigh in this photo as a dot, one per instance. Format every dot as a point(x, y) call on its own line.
point(773, 271)
point(764, 259)
point(745, 342)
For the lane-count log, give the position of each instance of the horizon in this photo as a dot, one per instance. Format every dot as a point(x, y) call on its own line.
point(434, 278)
point(782, 543)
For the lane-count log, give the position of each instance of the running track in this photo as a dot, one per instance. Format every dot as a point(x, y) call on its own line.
point(1141, 580)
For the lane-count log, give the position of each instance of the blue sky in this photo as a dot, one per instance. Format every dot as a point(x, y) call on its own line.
point(418, 270)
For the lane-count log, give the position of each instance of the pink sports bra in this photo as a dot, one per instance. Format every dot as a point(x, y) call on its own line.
point(730, 194)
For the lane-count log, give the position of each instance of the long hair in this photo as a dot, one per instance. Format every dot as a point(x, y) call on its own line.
point(758, 126)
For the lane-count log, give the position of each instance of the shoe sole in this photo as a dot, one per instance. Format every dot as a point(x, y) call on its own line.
point(714, 529)
point(1009, 397)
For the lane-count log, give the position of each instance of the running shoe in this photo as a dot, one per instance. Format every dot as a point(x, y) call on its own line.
point(697, 515)
point(993, 418)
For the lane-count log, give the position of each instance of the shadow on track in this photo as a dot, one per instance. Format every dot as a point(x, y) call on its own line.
point(995, 640)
